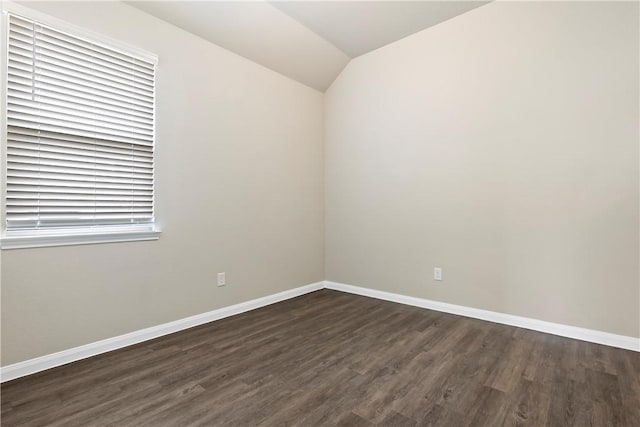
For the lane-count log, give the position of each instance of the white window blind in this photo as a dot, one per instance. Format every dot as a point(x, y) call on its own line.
point(80, 132)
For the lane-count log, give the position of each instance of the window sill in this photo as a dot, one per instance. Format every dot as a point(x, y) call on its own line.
point(69, 238)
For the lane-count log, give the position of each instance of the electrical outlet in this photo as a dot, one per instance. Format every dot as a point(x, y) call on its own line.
point(221, 279)
point(437, 273)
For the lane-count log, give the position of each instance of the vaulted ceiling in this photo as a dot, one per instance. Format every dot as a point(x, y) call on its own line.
point(309, 41)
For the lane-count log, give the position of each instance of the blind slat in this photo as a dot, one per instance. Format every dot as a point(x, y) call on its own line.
point(76, 198)
point(71, 166)
point(46, 125)
point(88, 76)
point(79, 109)
point(127, 150)
point(85, 50)
point(100, 125)
point(19, 132)
point(46, 58)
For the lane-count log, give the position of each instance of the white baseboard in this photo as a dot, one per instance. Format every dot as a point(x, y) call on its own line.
point(42, 363)
point(48, 361)
point(598, 337)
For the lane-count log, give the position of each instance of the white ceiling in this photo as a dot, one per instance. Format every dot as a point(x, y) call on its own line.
point(358, 27)
point(258, 31)
point(309, 41)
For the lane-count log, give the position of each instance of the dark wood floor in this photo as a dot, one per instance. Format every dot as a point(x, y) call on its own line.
point(330, 358)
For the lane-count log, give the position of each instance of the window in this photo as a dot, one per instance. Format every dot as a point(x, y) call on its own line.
point(79, 156)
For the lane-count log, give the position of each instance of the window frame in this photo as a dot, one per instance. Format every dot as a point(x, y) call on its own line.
point(19, 239)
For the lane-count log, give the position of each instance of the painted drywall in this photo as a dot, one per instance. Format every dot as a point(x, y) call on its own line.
point(258, 31)
point(502, 146)
point(239, 183)
point(358, 27)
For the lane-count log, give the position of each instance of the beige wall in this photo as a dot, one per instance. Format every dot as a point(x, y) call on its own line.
point(502, 146)
point(239, 189)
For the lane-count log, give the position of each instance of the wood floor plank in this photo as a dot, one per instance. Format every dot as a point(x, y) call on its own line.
point(335, 359)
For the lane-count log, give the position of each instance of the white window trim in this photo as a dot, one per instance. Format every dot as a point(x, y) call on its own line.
point(70, 236)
